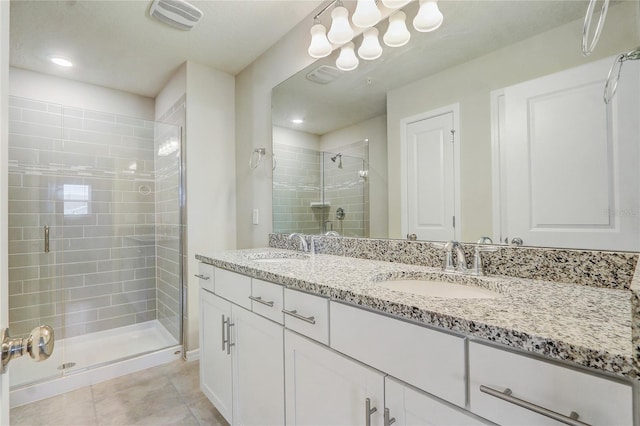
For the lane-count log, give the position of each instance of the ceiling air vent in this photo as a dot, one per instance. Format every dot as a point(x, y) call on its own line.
point(324, 74)
point(176, 13)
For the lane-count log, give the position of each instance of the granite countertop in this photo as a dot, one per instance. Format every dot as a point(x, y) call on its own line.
point(588, 326)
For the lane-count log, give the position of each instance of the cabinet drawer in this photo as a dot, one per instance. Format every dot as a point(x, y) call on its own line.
point(307, 314)
point(234, 287)
point(429, 360)
point(267, 299)
point(205, 276)
point(597, 400)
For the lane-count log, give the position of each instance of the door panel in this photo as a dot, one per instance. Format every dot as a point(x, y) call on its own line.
point(571, 160)
point(430, 177)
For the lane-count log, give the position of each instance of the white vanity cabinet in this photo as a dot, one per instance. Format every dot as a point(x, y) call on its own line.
point(428, 359)
point(563, 390)
point(326, 388)
point(407, 406)
point(216, 380)
point(242, 365)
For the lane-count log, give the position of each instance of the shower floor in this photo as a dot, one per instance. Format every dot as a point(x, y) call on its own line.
point(91, 350)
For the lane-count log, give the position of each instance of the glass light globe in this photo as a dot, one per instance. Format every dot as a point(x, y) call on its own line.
point(340, 31)
point(429, 17)
point(320, 46)
point(366, 14)
point(370, 48)
point(395, 4)
point(397, 33)
point(347, 60)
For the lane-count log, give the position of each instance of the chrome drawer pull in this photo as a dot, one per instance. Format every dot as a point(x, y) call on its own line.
point(506, 396)
point(229, 344)
point(259, 300)
point(202, 277)
point(295, 314)
point(368, 411)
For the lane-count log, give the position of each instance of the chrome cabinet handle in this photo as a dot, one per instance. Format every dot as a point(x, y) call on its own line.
point(259, 300)
point(224, 330)
point(295, 314)
point(572, 419)
point(388, 421)
point(202, 277)
point(229, 344)
point(368, 411)
point(46, 239)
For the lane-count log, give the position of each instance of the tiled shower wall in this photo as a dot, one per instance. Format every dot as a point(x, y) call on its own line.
point(90, 177)
point(296, 184)
point(345, 188)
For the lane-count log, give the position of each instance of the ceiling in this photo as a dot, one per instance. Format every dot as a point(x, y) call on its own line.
point(471, 28)
point(116, 44)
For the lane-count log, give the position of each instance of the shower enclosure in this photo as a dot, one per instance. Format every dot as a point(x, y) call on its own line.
point(319, 191)
point(94, 235)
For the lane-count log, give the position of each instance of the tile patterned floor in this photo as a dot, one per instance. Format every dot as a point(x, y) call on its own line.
point(165, 395)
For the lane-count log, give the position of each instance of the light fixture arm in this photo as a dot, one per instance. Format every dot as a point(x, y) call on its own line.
point(324, 9)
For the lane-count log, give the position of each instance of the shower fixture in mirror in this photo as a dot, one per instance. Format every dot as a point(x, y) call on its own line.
point(319, 187)
point(540, 158)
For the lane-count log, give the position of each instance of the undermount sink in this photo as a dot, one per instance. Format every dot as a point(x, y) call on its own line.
point(276, 257)
point(438, 288)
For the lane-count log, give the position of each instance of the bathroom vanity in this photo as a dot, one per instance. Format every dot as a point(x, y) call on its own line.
point(292, 338)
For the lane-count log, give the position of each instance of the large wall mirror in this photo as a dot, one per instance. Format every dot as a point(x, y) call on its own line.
point(494, 125)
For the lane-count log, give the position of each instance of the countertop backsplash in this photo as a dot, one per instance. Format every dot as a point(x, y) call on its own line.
point(606, 269)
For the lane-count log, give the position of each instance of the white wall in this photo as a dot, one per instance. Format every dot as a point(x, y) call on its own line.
point(470, 85)
point(375, 130)
point(211, 172)
point(4, 189)
point(253, 129)
point(171, 92)
point(33, 85)
point(296, 138)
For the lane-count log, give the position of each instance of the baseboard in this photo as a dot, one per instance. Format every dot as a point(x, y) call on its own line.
point(193, 355)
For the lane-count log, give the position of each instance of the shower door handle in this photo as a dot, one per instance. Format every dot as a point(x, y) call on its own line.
point(39, 345)
point(46, 239)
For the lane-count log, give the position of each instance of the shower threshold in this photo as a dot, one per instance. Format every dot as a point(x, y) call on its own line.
point(96, 357)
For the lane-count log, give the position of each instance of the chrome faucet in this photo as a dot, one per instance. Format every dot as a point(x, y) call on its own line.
point(477, 267)
point(448, 265)
point(303, 242)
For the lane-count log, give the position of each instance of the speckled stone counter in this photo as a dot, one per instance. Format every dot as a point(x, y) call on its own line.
point(586, 325)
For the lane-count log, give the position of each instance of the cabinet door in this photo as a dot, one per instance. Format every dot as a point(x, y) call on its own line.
point(258, 367)
point(409, 406)
point(215, 362)
point(326, 388)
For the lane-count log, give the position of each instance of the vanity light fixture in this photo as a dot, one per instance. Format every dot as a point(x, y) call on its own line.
point(370, 48)
point(61, 62)
point(397, 33)
point(340, 31)
point(297, 121)
point(320, 46)
point(429, 17)
point(366, 16)
point(347, 60)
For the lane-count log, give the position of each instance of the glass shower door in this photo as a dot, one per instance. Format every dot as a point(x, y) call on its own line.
point(108, 190)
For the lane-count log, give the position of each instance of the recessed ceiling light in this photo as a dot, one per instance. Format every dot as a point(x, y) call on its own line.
point(61, 61)
point(297, 121)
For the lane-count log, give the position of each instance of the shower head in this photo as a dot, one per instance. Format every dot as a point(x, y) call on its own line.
point(338, 157)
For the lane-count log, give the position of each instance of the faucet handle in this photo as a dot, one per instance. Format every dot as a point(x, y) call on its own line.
point(477, 268)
